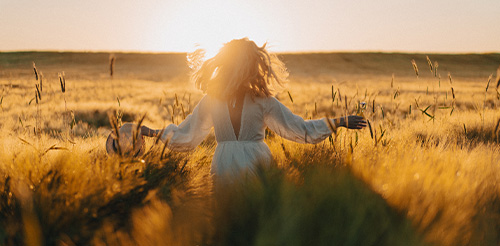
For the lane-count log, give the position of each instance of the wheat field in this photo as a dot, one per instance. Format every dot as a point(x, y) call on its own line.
point(426, 171)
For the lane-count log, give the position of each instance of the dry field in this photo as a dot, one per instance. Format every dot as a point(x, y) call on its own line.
point(426, 172)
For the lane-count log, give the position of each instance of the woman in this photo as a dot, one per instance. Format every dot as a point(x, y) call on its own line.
point(239, 83)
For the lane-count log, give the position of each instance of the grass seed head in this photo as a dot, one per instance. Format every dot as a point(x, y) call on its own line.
point(436, 65)
point(392, 81)
point(183, 112)
point(41, 82)
point(112, 59)
point(370, 127)
point(333, 95)
point(38, 94)
point(346, 108)
point(489, 80)
point(373, 106)
point(62, 81)
point(136, 132)
point(415, 68)
point(113, 121)
point(158, 138)
point(430, 63)
point(35, 70)
point(498, 77)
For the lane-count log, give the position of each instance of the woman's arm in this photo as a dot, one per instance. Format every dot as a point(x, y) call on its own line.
point(189, 133)
point(192, 130)
point(293, 127)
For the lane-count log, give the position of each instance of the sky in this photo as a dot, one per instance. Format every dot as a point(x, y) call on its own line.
point(442, 26)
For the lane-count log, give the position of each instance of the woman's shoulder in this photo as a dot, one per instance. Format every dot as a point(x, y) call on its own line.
point(265, 99)
point(267, 104)
point(262, 100)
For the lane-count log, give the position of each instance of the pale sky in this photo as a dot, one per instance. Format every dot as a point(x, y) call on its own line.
point(455, 26)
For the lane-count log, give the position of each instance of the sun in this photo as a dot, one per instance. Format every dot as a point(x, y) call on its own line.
point(210, 24)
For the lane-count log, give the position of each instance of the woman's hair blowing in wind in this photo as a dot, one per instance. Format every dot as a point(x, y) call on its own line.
point(239, 65)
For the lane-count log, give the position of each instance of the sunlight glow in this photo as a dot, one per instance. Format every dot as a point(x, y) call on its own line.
point(287, 26)
point(203, 24)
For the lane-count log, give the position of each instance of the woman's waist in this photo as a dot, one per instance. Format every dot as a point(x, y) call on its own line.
point(261, 141)
point(242, 147)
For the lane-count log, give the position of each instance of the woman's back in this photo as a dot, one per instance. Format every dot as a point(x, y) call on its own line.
point(251, 122)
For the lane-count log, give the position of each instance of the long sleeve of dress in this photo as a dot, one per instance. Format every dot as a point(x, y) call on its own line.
point(293, 127)
point(191, 132)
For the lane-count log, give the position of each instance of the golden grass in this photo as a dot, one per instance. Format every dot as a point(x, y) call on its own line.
point(431, 152)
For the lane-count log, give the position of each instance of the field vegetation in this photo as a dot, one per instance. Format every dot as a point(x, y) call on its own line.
point(426, 171)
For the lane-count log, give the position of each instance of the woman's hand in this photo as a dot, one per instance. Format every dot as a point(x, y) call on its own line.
point(148, 132)
point(351, 122)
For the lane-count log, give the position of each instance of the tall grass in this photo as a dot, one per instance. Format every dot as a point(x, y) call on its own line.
point(425, 172)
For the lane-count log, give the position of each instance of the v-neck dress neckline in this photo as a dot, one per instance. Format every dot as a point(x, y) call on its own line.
point(237, 136)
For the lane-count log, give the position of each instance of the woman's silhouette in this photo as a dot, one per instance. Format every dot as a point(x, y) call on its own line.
point(239, 83)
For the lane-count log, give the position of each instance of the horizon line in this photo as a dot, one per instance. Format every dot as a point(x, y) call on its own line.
point(278, 52)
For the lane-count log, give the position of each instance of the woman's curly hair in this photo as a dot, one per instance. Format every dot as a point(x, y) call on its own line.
point(239, 65)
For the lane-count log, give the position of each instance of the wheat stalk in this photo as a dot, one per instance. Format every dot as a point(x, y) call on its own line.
point(392, 81)
point(345, 101)
point(333, 95)
point(53, 147)
point(112, 59)
point(158, 137)
point(115, 132)
point(451, 84)
point(373, 106)
point(41, 82)
point(485, 95)
point(35, 70)
point(495, 132)
point(488, 84)
point(38, 94)
point(136, 132)
point(290, 96)
point(498, 77)
point(429, 62)
point(183, 112)
point(62, 81)
point(370, 127)
point(164, 148)
point(436, 65)
point(415, 68)
point(38, 98)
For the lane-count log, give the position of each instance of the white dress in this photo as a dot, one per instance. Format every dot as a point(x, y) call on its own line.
point(233, 155)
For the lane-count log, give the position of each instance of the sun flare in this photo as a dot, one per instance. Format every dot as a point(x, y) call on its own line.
point(210, 24)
